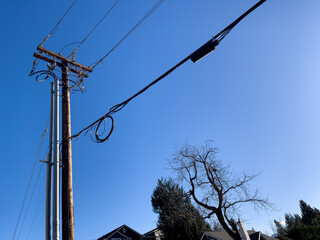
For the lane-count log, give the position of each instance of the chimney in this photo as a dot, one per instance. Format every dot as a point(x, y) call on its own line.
point(243, 231)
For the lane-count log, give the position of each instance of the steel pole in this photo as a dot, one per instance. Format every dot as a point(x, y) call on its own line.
point(56, 167)
point(49, 170)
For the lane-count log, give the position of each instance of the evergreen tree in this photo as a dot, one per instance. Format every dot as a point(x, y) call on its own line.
point(178, 218)
point(304, 227)
point(309, 215)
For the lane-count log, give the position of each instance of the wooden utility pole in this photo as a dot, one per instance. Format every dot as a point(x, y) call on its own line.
point(66, 191)
point(66, 65)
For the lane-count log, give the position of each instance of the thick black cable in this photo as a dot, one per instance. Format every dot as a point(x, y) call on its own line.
point(95, 125)
point(225, 31)
point(54, 29)
point(29, 182)
point(86, 37)
point(195, 56)
point(128, 33)
point(215, 40)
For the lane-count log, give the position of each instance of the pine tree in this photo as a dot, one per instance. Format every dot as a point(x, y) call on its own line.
point(178, 218)
point(304, 227)
point(309, 215)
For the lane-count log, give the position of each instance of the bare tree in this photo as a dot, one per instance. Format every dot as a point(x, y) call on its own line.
point(214, 187)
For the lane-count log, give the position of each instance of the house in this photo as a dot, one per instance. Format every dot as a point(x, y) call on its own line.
point(154, 234)
point(245, 235)
point(220, 235)
point(124, 232)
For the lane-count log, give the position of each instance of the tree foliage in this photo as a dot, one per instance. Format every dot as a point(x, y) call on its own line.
point(218, 191)
point(178, 218)
point(304, 227)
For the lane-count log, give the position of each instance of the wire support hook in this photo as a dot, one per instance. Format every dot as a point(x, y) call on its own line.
point(47, 74)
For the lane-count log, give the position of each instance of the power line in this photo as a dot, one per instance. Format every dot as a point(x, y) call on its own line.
point(30, 200)
point(132, 30)
point(195, 56)
point(54, 29)
point(73, 52)
point(35, 215)
point(29, 182)
point(68, 46)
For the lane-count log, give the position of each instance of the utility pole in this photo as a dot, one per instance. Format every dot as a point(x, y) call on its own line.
point(66, 65)
point(67, 194)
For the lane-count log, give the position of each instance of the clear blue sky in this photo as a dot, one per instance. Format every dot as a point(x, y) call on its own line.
point(257, 97)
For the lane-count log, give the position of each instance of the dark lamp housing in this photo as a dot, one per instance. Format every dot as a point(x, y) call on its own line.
point(204, 50)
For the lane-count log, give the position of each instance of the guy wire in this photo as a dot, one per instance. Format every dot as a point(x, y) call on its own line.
point(30, 200)
point(29, 182)
point(35, 215)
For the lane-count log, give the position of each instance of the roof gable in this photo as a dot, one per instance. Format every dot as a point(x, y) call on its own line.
point(124, 230)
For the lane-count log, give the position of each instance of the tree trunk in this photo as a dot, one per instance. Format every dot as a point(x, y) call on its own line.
point(234, 235)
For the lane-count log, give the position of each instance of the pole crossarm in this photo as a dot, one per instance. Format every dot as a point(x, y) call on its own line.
point(62, 58)
point(49, 60)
